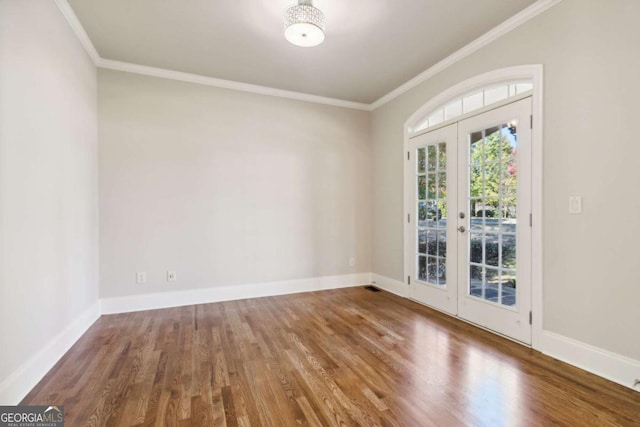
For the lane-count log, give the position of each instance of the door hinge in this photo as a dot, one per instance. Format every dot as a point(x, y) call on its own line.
point(409, 280)
point(530, 220)
point(408, 155)
point(531, 121)
point(408, 217)
point(531, 318)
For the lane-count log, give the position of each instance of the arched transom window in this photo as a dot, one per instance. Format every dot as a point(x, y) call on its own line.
point(470, 102)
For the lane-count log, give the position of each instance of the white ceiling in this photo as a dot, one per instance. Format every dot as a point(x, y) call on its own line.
point(372, 46)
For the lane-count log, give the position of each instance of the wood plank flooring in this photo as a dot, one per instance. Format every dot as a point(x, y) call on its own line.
point(332, 358)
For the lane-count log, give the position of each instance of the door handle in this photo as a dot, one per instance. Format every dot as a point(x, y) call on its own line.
point(462, 229)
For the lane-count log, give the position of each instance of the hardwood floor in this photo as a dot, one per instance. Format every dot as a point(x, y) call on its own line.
point(340, 357)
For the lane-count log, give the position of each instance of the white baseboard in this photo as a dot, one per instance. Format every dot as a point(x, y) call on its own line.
point(391, 285)
point(614, 367)
point(16, 386)
point(228, 293)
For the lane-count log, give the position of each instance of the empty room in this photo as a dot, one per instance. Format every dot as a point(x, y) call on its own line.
point(325, 213)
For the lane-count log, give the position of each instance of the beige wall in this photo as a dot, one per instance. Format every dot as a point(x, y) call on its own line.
point(48, 180)
point(589, 51)
point(226, 187)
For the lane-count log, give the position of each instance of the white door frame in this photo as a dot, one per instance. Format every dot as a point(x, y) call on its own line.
point(534, 73)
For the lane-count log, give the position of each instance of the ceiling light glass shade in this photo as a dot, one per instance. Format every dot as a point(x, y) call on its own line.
point(304, 25)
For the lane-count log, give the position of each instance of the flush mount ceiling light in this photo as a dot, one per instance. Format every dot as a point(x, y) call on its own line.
point(304, 24)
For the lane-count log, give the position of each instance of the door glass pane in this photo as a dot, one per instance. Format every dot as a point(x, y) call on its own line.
point(508, 179)
point(442, 243)
point(492, 284)
point(492, 257)
point(508, 250)
point(422, 187)
point(492, 172)
point(431, 270)
point(422, 211)
point(433, 158)
point(508, 287)
point(432, 214)
point(422, 241)
point(477, 221)
point(422, 268)
point(432, 248)
point(431, 186)
point(431, 179)
point(476, 249)
point(442, 273)
point(422, 160)
point(442, 157)
point(475, 281)
point(475, 152)
point(442, 185)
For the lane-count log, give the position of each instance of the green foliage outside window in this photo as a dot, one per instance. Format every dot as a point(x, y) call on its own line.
point(495, 155)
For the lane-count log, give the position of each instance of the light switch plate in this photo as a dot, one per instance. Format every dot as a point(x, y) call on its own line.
point(575, 205)
point(171, 276)
point(141, 277)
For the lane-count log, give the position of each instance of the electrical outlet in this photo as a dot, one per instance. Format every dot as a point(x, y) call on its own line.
point(141, 277)
point(352, 262)
point(171, 276)
point(575, 205)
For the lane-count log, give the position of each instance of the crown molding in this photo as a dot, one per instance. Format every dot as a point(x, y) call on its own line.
point(510, 24)
point(78, 29)
point(226, 84)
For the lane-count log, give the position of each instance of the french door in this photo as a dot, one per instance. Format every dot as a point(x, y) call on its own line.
point(433, 251)
point(468, 231)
